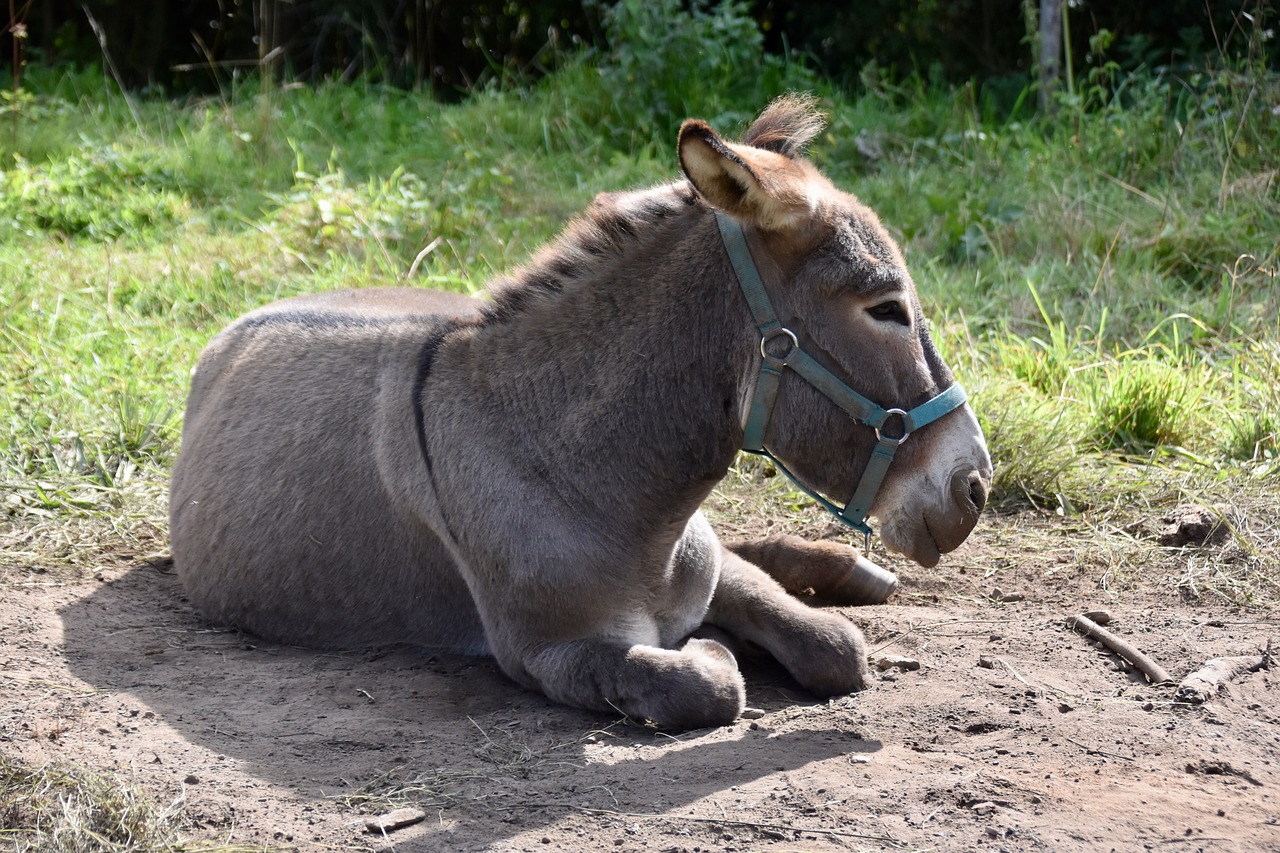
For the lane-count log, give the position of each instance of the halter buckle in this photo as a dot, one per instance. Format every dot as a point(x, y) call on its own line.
point(777, 332)
point(906, 429)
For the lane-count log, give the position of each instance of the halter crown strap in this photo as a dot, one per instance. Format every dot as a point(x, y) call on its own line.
point(854, 404)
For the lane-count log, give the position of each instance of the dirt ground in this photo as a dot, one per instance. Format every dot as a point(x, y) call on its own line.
point(1014, 734)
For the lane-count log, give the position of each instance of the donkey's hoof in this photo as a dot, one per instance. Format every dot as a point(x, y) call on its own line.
point(830, 657)
point(864, 583)
point(709, 690)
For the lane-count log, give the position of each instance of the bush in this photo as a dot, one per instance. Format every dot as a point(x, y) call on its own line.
point(667, 60)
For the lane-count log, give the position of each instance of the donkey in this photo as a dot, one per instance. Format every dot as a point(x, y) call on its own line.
point(520, 476)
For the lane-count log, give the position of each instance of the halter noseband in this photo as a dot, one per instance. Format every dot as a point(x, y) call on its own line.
point(858, 407)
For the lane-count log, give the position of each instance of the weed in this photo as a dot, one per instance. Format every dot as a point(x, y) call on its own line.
point(669, 59)
point(1143, 403)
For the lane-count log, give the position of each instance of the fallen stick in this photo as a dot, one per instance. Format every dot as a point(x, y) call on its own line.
point(1152, 670)
point(1203, 684)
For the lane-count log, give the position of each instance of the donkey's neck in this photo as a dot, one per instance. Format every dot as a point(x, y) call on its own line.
point(619, 355)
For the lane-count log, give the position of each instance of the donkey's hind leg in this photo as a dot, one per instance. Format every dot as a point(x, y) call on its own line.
point(829, 570)
point(691, 687)
point(822, 650)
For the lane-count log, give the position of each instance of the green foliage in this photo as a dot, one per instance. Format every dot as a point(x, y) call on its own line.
point(328, 214)
point(1251, 426)
point(1106, 278)
point(1034, 439)
point(99, 194)
point(1144, 403)
point(671, 59)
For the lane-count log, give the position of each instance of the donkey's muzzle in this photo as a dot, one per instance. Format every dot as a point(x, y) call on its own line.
point(968, 491)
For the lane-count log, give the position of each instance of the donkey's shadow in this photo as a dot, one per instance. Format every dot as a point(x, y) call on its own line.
point(325, 724)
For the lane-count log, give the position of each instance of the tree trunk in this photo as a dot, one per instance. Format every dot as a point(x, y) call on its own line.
point(1050, 51)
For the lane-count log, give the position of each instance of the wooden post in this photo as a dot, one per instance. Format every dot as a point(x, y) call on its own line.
point(268, 17)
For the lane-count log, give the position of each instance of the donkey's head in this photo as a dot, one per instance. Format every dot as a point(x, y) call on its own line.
point(848, 308)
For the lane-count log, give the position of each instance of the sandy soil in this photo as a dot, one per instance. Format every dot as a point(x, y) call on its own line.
point(1014, 733)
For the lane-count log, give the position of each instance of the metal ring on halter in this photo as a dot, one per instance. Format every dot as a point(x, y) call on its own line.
point(770, 335)
point(906, 430)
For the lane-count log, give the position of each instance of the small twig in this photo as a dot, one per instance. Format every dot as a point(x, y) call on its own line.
point(1093, 751)
point(1152, 670)
point(101, 35)
point(1015, 674)
point(431, 247)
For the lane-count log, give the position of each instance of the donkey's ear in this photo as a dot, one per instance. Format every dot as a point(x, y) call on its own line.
point(765, 188)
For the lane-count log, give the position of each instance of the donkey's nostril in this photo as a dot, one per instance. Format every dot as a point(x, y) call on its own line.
point(978, 488)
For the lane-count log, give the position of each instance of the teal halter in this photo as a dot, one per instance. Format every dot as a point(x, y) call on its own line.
point(854, 513)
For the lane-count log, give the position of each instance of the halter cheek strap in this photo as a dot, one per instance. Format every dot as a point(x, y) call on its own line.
point(858, 407)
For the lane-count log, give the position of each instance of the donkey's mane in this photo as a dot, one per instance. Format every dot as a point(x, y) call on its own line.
point(599, 236)
point(614, 222)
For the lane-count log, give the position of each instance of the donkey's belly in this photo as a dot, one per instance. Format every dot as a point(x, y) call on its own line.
point(281, 521)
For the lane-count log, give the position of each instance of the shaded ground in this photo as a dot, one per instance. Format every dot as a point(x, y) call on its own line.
point(1014, 734)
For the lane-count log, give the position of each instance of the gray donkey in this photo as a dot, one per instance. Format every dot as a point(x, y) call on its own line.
point(520, 476)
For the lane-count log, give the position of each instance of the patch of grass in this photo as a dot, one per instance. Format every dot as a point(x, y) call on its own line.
point(69, 808)
point(1103, 280)
point(1144, 403)
point(99, 194)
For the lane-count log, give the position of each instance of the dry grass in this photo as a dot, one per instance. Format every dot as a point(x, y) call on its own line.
point(69, 808)
point(1112, 547)
point(504, 753)
point(44, 534)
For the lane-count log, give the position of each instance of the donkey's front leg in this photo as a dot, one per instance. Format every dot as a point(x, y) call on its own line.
point(831, 570)
point(691, 687)
point(823, 651)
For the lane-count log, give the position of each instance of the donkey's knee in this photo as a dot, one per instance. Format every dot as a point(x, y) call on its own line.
point(695, 686)
point(830, 570)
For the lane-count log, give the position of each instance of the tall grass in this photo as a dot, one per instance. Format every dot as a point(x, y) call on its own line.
point(1104, 279)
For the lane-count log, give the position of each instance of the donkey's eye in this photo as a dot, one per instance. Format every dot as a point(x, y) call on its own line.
point(890, 311)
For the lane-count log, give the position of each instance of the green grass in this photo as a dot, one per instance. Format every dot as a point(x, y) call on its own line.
point(1104, 281)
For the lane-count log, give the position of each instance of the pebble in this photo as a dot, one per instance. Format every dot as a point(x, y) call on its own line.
point(393, 820)
point(1098, 617)
point(985, 807)
point(986, 662)
point(751, 713)
point(904, 664)
point(998, 594)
